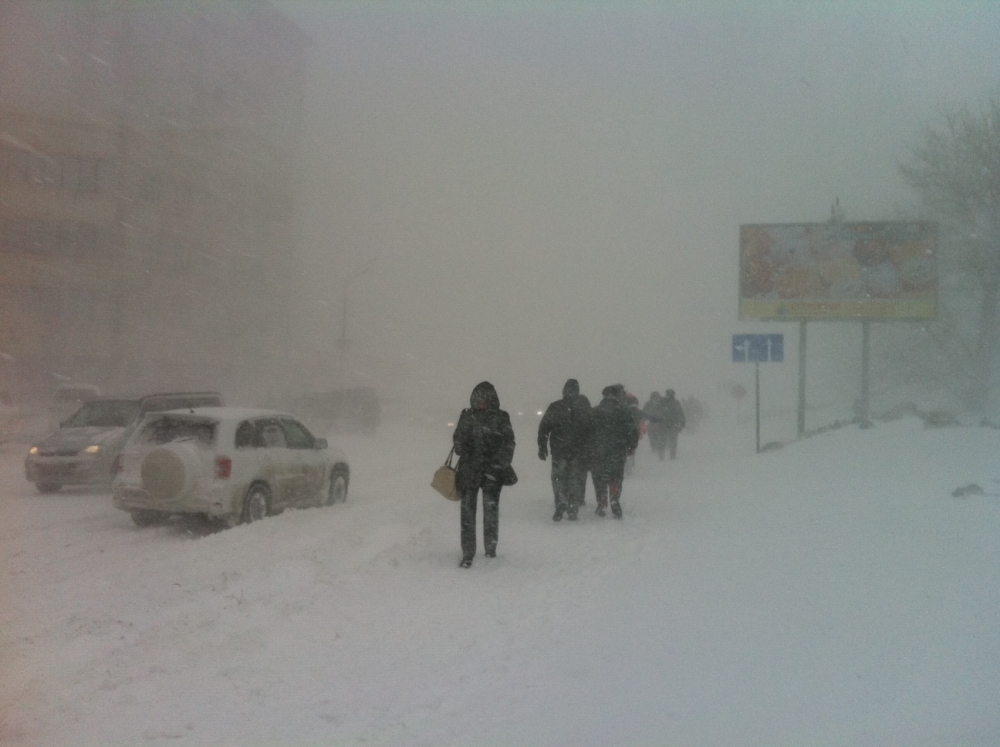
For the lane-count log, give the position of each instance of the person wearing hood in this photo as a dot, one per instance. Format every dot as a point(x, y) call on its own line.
point(484, 444)
point(615, 433)
point(565, 430)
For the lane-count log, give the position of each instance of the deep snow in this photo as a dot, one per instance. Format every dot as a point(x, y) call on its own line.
point(830, 593)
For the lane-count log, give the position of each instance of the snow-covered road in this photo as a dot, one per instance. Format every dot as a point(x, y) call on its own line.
point(832, 592)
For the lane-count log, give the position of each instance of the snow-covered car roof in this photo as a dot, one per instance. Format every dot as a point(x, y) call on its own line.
point(228, 413)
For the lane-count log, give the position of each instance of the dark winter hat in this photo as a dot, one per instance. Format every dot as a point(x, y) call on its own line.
point(670, 393)
point(610, 391)
point(571, 388)
point(484, 397)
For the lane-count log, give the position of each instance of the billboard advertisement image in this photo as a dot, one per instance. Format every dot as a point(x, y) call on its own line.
point(838, 271)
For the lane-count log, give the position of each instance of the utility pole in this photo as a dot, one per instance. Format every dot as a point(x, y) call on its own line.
point(344, 342)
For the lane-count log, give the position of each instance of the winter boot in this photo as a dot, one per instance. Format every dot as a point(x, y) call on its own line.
point(491, 552)
point(466, 563)
point(600, 511)
point(571, 514)
point(616, 510)
point(557, 516)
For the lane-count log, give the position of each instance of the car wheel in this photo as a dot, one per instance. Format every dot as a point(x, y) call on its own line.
point(257, 504)
point(48, 487)
point(149, 518)
point(338, 488)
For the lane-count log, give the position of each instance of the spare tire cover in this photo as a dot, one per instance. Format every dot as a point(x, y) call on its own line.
point(170, 470)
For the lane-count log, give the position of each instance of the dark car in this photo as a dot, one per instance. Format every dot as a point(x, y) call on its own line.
point(84, 448)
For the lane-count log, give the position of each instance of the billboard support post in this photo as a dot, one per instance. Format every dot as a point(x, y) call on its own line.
point(802, 378)
point(865, 360)
point(757, 400)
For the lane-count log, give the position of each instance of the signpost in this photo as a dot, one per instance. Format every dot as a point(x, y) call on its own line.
point(758, 349)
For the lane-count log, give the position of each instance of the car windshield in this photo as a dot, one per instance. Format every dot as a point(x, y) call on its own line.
point(164, 430)
point(116, 413)
point(73, 395)
point(159, 404)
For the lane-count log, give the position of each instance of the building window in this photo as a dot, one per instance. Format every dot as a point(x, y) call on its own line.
point(106, 175)
point(59, 305)
point(51, 238)
point(45, 170)
point(87, 174)
point(14, 165)
point(150, 187)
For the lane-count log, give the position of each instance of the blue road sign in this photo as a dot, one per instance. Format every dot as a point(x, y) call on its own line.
point(758, 348)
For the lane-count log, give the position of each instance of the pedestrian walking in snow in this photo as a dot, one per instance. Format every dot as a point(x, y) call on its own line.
point(614, 434)
point(565, 431)
point(640, 420)
point(484, 444)
point(673, 421)
point(656, 430)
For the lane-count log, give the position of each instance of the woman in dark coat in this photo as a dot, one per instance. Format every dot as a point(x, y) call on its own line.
point(484, 443)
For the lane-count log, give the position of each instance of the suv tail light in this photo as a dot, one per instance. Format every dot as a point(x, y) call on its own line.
point(223, 467)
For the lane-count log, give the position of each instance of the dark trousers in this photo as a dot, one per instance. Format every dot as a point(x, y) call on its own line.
point(608, 478)
point(569, 482)
point(672, 443)
point(491, 518)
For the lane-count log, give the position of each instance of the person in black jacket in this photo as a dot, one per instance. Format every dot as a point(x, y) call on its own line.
point(614, 434)
point(484, 443)
point(565, 429)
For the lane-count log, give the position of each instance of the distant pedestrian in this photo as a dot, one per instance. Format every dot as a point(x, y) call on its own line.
point(640, 420)
point(614, 434)
point(656, 413)
point(565, 429)
point(673, 421)
point(484, 444)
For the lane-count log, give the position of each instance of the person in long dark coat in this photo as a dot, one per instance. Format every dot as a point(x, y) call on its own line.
point(614, 433)
point(565, 429)
point(673, 421)
point(657, 431)
point(484, 444)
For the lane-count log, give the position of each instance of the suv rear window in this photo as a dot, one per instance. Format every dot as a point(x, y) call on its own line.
point(166, 430)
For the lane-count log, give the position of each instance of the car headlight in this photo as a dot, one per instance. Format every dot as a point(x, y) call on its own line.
point(33, 450)
point(92, 449)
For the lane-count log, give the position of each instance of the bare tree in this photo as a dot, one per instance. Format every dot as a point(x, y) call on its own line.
point(956, 169)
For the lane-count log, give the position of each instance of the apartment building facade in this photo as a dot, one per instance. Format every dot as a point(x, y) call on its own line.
point(147, 191)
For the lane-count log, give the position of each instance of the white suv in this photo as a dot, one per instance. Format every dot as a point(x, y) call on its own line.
point(230, 464)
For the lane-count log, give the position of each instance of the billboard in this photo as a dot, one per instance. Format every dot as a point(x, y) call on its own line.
point(838, 271)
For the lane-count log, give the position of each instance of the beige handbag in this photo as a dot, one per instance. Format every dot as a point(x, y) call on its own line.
point(444, 479)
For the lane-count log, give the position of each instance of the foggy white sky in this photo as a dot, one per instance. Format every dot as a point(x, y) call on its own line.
point(554, 190)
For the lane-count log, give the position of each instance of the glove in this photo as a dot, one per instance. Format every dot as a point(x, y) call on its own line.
point(543, 453)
